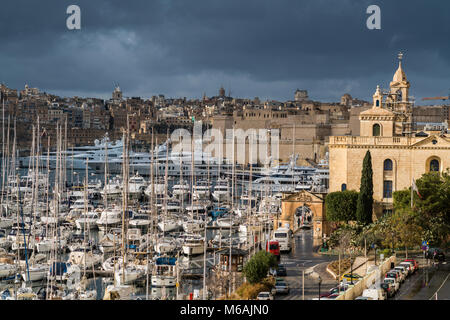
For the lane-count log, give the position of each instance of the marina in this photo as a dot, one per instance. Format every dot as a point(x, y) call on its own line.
point(102, 222)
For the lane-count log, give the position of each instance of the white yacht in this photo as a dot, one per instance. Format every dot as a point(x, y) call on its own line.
point(222, 190)
point(36, 272)
point(194, 245)
point(164, 272)
point(110, 218)
point(129, 274)
point(140, 221)
point(181, 190)
point(85, 258)
point(76, 157)
point(165, 245)
point(193, 226)
point(88, 221)
point(159, 187)
point(168, 225)
point(136, 185)
point(7, 270)
point(201, 190)
point(113, 189)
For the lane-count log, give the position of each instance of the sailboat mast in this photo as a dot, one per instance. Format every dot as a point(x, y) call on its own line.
point(152, 194)
point(192, 174)
point(124, 202)
point(3, 150)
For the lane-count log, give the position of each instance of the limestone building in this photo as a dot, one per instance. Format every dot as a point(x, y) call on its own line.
point(399, 155)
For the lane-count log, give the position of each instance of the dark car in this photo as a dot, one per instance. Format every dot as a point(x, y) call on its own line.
point(387, 288)
point(281, 271)
point(435, 254)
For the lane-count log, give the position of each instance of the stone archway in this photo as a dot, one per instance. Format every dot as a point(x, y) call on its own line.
point(302, 217)
point(314, 201)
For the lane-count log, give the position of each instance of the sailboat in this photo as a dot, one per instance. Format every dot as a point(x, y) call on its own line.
point(164, 272)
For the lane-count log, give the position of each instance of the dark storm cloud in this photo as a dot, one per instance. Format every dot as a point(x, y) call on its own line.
point(254, 48)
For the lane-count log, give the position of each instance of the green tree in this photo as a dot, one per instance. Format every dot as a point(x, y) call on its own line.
point(431, 208)
point(365, 197)
point(341, 205)
point(402, 199)
point(255, 270)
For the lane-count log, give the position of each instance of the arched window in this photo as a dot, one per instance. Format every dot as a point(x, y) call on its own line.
point(343, 187)
point(376, 130)
point(434, 165)
point(387, 165)
point(387, 189)
point(377, 103)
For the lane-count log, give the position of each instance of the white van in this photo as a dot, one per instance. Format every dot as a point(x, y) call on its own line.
point(375, 294)
point(283, 236)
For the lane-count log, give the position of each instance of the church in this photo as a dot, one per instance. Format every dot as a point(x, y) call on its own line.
point(399, 154)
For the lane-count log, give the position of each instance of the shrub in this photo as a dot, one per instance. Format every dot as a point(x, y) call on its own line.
point(341, 205)
point(257, 267)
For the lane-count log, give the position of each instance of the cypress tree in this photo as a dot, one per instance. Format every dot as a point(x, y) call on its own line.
point(365, 197)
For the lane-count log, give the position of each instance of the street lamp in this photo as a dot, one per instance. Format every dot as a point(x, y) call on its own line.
point(320, 282)
point(351, 267)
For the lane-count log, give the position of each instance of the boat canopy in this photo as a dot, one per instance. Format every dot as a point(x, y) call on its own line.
point(166, 260)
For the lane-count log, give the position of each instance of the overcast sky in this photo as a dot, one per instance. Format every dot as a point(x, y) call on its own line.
point(264, 48)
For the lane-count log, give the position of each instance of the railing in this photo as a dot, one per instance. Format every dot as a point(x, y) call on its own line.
point(357, 140)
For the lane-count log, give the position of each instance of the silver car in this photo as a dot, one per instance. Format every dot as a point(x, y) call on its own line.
point(265, 295)
point(281, 287)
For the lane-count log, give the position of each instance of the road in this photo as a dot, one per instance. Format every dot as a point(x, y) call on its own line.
point(428, 281)
point(303, 256)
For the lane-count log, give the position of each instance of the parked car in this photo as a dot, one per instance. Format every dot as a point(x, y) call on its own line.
point(374, 294)
point(436, 254)
point(395, 285)
point(392, 274)
point(281, 287)
point(401, 275)
point(349, 277)
point(387, 287)
point(403, 269)
point(409, 266)
point(336, 290)
point(414, 262)
point(265, 295)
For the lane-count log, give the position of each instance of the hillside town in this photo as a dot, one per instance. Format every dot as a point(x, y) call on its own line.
point(98, 200)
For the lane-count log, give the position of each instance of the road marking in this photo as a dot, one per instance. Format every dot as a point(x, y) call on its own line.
point(439, 287)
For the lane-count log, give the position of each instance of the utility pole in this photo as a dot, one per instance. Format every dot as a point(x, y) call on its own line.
point(303, 284)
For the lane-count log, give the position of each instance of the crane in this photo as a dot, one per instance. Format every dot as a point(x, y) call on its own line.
point(437, 98)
